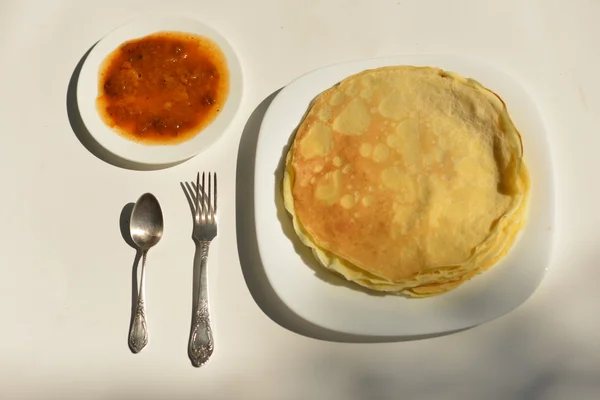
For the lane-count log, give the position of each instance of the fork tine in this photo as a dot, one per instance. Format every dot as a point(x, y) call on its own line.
point(209, 202)
point(198, 195)
point(215, 193)
point(203, 200)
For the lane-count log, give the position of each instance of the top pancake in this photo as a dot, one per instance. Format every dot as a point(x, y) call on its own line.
point(401, 170)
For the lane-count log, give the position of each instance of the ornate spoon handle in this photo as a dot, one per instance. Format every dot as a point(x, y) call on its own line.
point(201, 344)
point(138, 333)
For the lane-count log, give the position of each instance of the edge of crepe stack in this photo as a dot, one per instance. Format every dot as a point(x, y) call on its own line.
point(441, 279)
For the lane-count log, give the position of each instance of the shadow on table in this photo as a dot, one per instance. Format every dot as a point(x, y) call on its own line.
point(84, 136)
point(252, 268)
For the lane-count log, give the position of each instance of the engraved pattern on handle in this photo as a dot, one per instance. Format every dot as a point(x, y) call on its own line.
point(201, 340)
point(138, 336)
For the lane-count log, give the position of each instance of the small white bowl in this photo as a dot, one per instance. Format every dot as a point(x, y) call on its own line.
point(87, 91)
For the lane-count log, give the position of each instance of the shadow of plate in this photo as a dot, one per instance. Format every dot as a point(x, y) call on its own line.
point(86, 138)
point(252, 267)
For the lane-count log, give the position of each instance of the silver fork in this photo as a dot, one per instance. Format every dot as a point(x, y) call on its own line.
point(204, 207)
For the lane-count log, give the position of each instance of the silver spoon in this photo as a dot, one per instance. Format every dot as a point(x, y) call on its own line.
point(146, 227)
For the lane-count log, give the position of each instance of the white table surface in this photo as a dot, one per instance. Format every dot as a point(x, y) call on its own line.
point(65, 270)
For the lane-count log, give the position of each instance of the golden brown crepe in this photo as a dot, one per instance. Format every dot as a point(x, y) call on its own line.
point(407, 179)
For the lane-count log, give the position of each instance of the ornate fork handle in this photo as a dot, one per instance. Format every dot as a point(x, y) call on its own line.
point(201, 343)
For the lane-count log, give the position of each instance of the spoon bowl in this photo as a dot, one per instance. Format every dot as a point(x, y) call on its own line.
point(146, 224)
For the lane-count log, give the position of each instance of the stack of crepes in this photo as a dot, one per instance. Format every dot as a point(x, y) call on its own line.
point(407, 180)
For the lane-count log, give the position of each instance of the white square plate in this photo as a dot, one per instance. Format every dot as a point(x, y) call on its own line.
point(330, 302)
